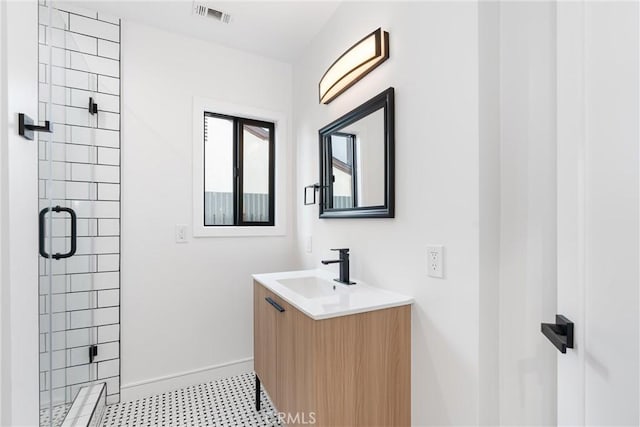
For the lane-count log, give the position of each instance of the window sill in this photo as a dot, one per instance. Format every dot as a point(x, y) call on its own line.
point(235, 231)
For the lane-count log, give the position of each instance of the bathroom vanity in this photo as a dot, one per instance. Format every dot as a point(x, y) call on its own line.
point(330, 354)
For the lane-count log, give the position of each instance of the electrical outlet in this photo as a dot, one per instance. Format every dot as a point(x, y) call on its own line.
point(181, 233)
point(435, 261)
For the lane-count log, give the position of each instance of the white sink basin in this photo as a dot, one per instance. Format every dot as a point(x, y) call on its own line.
point(315, 293)
point(310, 287)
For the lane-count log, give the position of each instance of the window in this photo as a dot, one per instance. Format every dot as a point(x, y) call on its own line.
point(239, 171)
point(344, 174)
point(218, 170)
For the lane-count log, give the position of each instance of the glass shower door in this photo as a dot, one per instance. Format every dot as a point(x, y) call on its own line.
point(52, 228)
point(79, 232)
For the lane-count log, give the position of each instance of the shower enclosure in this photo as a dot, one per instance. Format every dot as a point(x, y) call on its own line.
point(79, 202)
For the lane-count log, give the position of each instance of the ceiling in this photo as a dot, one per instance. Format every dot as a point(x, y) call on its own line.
point(276, 29)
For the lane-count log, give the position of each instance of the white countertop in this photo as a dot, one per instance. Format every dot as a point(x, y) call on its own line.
point(342, 301)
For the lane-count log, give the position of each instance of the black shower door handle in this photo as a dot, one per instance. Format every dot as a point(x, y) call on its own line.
point(74, 237)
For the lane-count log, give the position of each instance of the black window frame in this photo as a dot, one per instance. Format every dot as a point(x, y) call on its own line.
point(238, 168)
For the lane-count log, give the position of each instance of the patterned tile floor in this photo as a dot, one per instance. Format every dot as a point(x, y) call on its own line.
point(58, 415)
point(225, 402)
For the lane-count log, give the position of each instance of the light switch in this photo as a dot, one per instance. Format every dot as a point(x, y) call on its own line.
point(308, 245)
point(181, 233)
point(435, 261)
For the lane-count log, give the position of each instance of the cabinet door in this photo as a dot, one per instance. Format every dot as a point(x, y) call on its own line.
point(295, 363)
point(265, 339)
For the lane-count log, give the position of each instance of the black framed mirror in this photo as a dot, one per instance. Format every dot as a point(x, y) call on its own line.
point(357, 172)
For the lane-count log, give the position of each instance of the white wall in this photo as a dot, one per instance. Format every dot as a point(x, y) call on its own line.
point(18, 215)
point(5, 367)
point(185, 307)
point(489, 208)
point(527, 212)
point(517, 212)
point(433, 66)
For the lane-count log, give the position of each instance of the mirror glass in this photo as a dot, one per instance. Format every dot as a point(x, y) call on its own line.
point(357, 161)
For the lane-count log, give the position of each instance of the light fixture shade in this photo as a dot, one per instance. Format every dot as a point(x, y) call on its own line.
point(354, 64)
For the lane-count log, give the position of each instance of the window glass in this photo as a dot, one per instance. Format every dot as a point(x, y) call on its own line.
point(255, 173)
point(218, 176)
point(344, 174)
point(238, 171)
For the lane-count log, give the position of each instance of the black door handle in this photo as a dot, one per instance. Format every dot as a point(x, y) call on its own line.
point(560, 333)
point(274, 304)
point(74, 236)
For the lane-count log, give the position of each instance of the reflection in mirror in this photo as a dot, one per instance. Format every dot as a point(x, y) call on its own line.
point(357, 162)
point(344, 170)
point(365, 145)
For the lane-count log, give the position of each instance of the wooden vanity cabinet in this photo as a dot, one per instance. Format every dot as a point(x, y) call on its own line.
point(352, 370)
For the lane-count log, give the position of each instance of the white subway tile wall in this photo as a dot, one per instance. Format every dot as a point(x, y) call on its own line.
point(80, 56)
point(108, 262)
point(108, 192)
point(109, 333)
point(108, 85)
point(108, 49)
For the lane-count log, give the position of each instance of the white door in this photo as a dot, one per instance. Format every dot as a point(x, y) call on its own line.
point(598, 221)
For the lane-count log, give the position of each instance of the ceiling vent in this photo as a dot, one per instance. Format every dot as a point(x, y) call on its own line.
point(204, 11)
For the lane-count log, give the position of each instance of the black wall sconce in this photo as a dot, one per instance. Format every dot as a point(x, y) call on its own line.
point(358, 61)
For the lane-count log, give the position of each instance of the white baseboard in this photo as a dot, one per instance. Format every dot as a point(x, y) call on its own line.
point(139, 389)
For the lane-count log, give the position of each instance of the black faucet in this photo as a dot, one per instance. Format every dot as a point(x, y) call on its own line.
point(344, 266)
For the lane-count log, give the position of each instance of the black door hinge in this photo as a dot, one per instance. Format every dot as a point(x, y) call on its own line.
point(93, 352)
point(93, 107)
